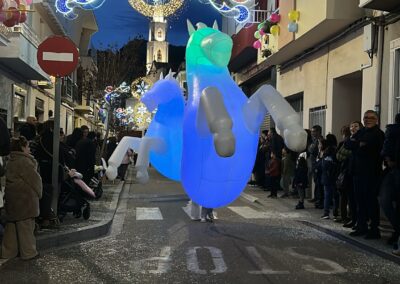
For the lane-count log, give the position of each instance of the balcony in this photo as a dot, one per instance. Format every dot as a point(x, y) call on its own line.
point(319, 20)
point(4, 35)
point(20, 54)
point(243, 52)
point(382, 5)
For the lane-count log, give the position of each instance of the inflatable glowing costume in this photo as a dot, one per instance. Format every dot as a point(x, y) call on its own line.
point(162, 143)
point(220, 125)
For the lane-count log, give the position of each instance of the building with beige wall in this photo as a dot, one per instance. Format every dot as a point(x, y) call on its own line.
point(343, 60)
point(25, 89)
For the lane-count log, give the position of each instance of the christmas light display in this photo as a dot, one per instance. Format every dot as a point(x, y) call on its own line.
point(154, 8)
point(67, 7)
point(237, 9)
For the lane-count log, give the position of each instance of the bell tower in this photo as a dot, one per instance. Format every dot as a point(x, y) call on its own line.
point(157, 46)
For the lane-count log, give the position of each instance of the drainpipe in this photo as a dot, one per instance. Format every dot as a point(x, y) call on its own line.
point(379, 55)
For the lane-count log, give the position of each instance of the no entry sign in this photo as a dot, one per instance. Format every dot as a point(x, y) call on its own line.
point(58, 56)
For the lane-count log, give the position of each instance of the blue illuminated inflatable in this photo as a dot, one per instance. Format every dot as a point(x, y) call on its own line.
point(211, 143)
point(166, 95)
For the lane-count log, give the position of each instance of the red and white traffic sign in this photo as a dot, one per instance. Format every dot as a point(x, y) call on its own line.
point(58, 56)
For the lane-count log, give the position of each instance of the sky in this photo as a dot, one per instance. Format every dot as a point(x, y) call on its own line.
point(118, 22)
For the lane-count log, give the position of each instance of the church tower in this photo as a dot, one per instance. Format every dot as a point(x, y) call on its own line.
point(157, 46)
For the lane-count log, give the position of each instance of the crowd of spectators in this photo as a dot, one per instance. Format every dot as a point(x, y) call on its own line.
point(351, 181)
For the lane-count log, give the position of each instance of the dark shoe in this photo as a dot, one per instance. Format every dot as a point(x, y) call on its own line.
point(285, 195)
point(325, 217)
point(358, 233)
point(373, 235)
point(32, 258)
point(349, 224)
point(312, 200)
point(319, 206)
point(272, 196)
point(300, 205)
point(337, 220)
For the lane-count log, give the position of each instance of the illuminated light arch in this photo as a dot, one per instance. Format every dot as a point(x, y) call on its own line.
point(159, 8)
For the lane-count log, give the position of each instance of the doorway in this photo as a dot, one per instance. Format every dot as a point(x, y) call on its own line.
point(346, 105)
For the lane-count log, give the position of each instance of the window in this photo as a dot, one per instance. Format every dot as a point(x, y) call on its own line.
point(297, 103)
point(396, 96)
point(159, 56)
point(19, 106)
point(394, 77)
point(318, 117)
point(39, 109)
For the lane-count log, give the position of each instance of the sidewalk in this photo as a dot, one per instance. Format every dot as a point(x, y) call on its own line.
point(285, 208)
point(73, 229)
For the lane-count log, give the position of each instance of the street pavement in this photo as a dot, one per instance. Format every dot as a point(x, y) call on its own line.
point(153, 240)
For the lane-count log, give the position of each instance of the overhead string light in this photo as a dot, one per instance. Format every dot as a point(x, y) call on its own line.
point(237, 9)
point(67, 7)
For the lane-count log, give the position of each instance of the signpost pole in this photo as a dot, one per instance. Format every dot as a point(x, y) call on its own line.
point(56, 140)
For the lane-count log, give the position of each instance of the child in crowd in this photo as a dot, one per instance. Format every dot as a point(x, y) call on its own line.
point(288, 166)
point(22, 194)
point(327, 166)
point(300, 181)
point(273, 172)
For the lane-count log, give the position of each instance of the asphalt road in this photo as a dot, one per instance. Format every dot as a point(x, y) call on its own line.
point(154, 241)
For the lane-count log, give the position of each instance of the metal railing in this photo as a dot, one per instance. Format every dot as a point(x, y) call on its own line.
point(28, 33)
point(259, 16)
point(5, 31)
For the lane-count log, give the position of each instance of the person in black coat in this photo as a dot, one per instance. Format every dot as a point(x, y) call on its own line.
point(28, 129)
point(86, 157)
point(327, 165)
point(367, 170)
point(4, 139)
point(300, 180)
point(390, 189)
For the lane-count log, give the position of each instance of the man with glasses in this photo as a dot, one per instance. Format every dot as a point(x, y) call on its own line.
point(367, 173)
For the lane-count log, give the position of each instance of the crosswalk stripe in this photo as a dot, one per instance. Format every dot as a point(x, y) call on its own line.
point(148, 213)
point(248, 213)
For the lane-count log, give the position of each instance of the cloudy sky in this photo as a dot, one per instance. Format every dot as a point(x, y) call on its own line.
point(118, 22)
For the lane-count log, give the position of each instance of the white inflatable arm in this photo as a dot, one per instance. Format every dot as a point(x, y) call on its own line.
point(142, 163)
point(213, 110)
point(286, 119)
point(119, 153)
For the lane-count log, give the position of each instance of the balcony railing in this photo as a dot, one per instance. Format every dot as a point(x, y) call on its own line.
point(5, 31)
point(259, 16)
point(28, 33)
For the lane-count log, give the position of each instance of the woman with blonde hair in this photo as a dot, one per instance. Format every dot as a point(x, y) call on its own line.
point(22, 193)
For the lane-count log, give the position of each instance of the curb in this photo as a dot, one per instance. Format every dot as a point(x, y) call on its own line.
point(85, 233)
point(353, 242)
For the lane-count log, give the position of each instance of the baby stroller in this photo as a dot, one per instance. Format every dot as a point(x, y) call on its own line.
point(95, 182)
point(73, 197)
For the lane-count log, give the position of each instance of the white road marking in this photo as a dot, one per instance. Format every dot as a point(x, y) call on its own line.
point(250, 213)
point(148, 213)
point(336, 268)
point(164, 261)
point(55, 56)
point(217, 258)
point(261, 263)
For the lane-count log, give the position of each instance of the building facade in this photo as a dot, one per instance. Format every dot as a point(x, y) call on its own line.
point(342, 61)
point(25, 89)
